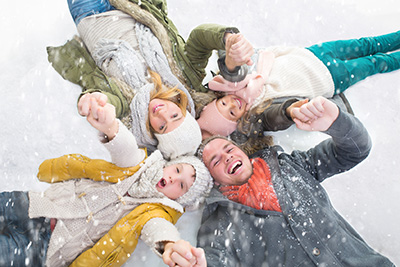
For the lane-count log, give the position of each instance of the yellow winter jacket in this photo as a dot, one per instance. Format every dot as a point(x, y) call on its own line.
point(115, 247)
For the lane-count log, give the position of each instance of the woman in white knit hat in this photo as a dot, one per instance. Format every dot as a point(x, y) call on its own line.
point(160, 118)
point(81, 222)
point(127, 50)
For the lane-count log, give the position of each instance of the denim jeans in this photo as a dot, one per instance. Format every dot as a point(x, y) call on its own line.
point(23, 241)
point(80, 9)
point(350, 61)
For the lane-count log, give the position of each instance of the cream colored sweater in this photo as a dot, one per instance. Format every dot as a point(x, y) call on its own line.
point(86, 210)
point(297, 72)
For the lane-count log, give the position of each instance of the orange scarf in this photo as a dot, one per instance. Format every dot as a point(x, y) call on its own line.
point(258, 192)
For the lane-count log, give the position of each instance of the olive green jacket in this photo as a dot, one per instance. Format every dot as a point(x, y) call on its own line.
point(187, 60)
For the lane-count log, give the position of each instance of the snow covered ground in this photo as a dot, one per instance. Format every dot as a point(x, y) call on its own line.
point(39, 118)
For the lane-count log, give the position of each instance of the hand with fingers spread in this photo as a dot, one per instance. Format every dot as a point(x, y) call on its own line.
point(316, 115)
point(85, 100)
point(182, 253)
point(238, 51)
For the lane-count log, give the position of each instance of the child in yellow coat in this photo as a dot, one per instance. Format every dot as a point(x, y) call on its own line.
point(103, 216)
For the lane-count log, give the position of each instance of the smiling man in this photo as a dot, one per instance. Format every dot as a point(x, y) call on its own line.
point(271, 210)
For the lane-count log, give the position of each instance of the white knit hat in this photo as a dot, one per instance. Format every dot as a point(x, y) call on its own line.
point(149, 175)
point(183, 140)
point(152, 171)
point(201, 186)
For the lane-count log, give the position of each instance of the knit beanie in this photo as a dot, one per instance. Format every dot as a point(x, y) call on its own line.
point(201, 186)
point(212, 121)
point(184, 140)
point(148, 176)
point(139, 113)
point(152, 171)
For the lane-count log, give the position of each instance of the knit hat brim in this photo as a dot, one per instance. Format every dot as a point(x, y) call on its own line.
point(184, 140)
point(212, 121)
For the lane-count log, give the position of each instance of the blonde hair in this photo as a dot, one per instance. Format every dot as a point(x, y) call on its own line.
point(173, 94)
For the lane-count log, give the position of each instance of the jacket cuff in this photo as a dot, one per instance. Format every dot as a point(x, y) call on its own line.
point(237, 75)
point(156, 231)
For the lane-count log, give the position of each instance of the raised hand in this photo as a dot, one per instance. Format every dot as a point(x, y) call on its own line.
point(84, 103)
point(238, 51)
point(316, 115)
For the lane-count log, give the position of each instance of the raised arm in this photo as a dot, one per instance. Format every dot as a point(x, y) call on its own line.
point(119, 141)
point(233, 63)
point(349, 143)
point(202, 41)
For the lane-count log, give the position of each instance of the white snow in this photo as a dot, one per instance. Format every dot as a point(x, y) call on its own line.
point(39, 118)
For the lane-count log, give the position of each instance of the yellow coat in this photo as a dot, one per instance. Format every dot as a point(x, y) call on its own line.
point(115, 247)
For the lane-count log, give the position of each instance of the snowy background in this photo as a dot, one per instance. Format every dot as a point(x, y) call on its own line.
point(39, 118)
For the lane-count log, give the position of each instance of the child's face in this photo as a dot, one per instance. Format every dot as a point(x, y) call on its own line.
point(176, 181)
point(231, 107)
point(165, 116)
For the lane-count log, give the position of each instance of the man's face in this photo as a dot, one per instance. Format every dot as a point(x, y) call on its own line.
point(227, 163)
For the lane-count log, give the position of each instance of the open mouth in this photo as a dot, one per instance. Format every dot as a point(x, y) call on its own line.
point(162, 183)
point(235, 167)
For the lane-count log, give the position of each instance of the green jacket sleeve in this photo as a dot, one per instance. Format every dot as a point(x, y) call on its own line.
point(201, 42)
point(74, 63)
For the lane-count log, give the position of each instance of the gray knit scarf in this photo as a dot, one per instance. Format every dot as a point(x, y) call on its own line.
point(136, 76)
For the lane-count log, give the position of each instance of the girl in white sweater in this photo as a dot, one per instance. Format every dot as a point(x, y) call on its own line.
point(324, 69)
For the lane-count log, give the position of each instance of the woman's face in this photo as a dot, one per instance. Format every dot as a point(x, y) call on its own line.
point(231, 107)
point(164, 115)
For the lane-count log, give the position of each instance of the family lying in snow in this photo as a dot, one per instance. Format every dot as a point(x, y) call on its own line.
point(172, 144)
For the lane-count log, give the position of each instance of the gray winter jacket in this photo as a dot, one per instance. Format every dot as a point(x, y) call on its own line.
point(309, 231)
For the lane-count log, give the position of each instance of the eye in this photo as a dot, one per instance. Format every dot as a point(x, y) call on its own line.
point(233, 114)
point(230, 149)
point(223, 103)
point(175, 115)
point(177, 169)
point(161, 127)
point(216, 163)
point(181, 185)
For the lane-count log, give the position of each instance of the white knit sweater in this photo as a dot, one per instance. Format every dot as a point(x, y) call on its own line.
point(297, 72)
point(86, 210)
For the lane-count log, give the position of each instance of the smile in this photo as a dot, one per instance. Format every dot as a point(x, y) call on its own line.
point(155, 108)
point(239, 102)
point(235, 167)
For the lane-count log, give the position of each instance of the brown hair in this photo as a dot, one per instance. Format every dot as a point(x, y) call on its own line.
point(164, 92)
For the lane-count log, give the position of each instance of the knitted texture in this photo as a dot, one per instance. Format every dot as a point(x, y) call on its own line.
point(125, 49)
point(184, 140)
point(152, 173)
point(257, 192)
point(297, 72)
point(86, 209)
point(201, 186)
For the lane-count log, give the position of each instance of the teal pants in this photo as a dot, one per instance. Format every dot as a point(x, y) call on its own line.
point(350, 61)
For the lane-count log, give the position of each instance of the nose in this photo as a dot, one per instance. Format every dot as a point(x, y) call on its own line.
point(228, 157)
point(163, 114)
point(172, 179)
